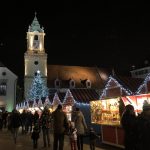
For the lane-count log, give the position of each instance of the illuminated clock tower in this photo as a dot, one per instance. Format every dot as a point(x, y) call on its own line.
point(35, 58)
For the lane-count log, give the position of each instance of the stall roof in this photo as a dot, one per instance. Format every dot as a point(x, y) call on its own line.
point(80, 95)
point(129, 82)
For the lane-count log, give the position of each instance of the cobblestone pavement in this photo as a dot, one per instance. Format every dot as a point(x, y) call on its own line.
point(24, 142)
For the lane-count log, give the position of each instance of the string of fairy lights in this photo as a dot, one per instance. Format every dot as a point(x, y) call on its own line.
point(110, 79)
point(56, 99)
point(144, 84)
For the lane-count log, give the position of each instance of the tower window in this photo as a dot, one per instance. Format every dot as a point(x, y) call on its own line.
point(36, 62)
point(36, 37)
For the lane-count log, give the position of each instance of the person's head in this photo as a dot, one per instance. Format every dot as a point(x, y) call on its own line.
point(59, 107)
point(129, 109)
point(146, 106)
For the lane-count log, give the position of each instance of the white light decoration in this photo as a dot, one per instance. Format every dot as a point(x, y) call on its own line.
point(40, 104)
point(35, 104)
point(82, 104)
point(144, 84)
point(47, 101)
point(17, 107)
point(128, 92)
point(56, 101)
point(38, 71)
point(69, 99)
point(22, 105)
point(27, 104)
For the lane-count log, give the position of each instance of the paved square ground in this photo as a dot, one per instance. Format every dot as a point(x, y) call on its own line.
point(24, 142)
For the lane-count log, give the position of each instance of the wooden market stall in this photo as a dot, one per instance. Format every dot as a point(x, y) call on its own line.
point(107, 111)
point(107, 114)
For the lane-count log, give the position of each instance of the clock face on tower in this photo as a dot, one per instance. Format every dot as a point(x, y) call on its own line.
point(36, 44)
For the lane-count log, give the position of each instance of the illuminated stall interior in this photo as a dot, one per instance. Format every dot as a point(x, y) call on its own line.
point(105, 111)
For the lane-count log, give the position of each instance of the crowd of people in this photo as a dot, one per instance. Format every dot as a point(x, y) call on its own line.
point(57, 122)
point(136, 127)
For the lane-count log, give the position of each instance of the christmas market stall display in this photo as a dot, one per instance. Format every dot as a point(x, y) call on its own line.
point(106, 113)
point(108, 110)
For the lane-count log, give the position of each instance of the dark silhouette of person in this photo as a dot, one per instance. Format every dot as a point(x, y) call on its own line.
point(4, 118)
point(46, 124)
point(143, 129)
point(128, 122)
point(92, 138)
point(23, 116)
point(35, 117)
point(60, 123)
point(15, 122)
point(35, 135)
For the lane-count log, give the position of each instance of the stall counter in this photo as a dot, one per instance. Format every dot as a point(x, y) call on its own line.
point(112, 135)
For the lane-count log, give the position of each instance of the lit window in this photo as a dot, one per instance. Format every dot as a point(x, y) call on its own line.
point(3, 88)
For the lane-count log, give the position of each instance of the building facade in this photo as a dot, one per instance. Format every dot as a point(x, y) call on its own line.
point(141, 72)
point(8, 83)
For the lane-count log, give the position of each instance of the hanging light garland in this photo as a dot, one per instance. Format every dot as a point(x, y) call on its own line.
point(144, 84)
point(128, 92)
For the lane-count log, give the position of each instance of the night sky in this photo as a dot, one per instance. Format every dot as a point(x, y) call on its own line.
point(78, 33)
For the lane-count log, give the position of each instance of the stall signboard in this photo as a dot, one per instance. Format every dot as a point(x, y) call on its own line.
point(137, 101)
point(105, 111)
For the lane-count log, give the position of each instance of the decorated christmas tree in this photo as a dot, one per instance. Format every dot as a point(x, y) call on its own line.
point(38, 88)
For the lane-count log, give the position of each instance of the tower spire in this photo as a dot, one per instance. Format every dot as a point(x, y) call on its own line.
point(35, 26)
point(35, 13)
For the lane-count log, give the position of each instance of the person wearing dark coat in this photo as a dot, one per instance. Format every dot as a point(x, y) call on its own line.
point(128, 122)
point(35, 135)
point(60, 123)
point(23, 116)
point(35, 117)
point(92, 138)
point(46, 124)
point(143, 129)
point(15, 122)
